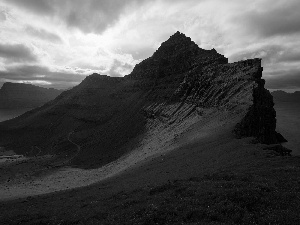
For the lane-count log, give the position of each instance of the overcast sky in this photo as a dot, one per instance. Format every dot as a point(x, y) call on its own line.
point(56, 43)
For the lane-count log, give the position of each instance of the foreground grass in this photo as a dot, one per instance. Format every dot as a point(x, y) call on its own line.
point(220, 198)
point(268, 194)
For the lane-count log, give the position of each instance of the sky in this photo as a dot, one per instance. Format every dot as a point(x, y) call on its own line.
point(57, 43)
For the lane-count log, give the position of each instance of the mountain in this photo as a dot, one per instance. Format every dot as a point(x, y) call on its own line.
point(179, 86)
point(16, 96)
point(283, 96)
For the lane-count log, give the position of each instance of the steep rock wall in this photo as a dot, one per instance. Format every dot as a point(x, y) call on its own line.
point(206, 80)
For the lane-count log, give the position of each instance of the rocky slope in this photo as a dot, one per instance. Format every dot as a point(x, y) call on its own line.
point(15, 95)
point(178, 86)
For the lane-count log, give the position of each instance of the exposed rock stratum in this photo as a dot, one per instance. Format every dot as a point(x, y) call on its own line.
point(179, 85)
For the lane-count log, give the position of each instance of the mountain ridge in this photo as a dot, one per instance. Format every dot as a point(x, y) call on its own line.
point(19, 95)
point(286, 97)
point(177, 86)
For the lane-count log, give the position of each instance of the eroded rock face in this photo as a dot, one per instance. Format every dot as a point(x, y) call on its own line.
point(169, 91)
point(260, 120)
point(180, 71)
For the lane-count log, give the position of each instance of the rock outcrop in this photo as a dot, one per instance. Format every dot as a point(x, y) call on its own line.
point(175, 56)
point(204, 78)
point(177, 86)
point(260, 120)
point(15, 95)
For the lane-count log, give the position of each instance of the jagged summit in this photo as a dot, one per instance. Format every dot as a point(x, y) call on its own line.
point(181, 43)
point(176, 42)
point(175, 56)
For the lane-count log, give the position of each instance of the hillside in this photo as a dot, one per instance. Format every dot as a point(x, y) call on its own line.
point(179, 84)
point(184, 139)
point(18, 96)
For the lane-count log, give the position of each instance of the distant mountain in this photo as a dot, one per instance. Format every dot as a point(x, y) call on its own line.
point(16, 95)
point(283, 96)
point(178, 86)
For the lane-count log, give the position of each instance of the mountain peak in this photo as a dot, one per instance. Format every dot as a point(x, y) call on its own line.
point(175, 56)
point(176, 42)
point(179, 36)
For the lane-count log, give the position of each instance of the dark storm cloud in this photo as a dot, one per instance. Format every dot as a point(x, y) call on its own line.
point(283, 79)
point(88, 16)
point(16, 53)
point(279, 19)
point(31, 73)
point(43, 34)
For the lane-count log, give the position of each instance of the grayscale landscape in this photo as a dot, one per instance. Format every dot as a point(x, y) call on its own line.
point(149, 112)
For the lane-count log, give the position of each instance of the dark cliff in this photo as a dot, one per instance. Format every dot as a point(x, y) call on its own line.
point(15, 95)
point(177, 86)
point(260, 120)
point(181, 71)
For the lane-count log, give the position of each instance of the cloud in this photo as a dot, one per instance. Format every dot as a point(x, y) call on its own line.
point(37, 6)
point(280, 63)
point(43, 34)
point(2, 15)
point(89, 16)
point(274, 18)
point(63, 78)
point(16, 53)
point(269, 53)
point(119, 69)
point(110, 37)
point(283, 79)
point(289, 56)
